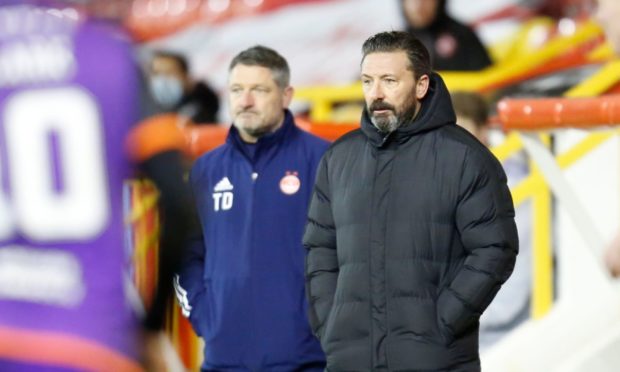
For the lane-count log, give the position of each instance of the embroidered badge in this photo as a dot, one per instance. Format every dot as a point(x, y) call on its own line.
point(290, 183)
point(446, 45)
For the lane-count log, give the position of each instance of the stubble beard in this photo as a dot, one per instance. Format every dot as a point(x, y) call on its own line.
point(257, 132)
point(255, 127)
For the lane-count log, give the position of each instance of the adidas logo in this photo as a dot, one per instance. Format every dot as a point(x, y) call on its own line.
point(223, 185)
point(222, 195)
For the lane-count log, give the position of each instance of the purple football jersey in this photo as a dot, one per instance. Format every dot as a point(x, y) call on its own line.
point(68, 95)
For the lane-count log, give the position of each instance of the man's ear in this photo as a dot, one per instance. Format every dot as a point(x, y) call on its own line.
point(421, 86)
point(287, 96)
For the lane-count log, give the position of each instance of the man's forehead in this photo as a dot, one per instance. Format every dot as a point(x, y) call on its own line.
point(164, 63)
point(385, 62)
point(247, 74)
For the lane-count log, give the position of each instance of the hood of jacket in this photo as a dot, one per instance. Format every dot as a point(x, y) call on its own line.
point(436, 111)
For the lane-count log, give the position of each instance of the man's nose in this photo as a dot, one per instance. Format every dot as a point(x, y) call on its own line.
point(376, 92)
point(246, 100)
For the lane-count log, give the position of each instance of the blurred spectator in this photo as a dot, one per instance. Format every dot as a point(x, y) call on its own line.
point(607, 15)
point(242, 286)
point(453, 45)
point(512, 304)
point(64, 298)
point(174, 89)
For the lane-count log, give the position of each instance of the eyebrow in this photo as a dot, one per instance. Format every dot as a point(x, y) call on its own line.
point(247, 85)
point(380, 77)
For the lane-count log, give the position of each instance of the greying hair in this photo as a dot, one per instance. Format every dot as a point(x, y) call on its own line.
point(265, 57)
point(394, 41)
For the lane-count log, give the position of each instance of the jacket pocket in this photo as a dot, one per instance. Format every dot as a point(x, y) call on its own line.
point(201, 316)
point(196, 316)
point(446, 337)
point(444, 333)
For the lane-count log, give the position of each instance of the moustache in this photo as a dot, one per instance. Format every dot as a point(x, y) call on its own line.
point(380, 105)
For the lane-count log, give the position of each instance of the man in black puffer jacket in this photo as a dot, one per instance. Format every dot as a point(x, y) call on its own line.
point(411, 226)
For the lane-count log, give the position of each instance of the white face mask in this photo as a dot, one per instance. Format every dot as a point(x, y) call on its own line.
point(166, 90)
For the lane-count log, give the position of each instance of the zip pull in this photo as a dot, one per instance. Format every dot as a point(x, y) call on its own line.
point(385, 139)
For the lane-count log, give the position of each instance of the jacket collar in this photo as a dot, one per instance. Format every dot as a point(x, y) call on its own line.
point(436, 111)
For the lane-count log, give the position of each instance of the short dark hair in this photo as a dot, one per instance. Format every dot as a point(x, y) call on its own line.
point(259, 55)
point(471, 105)
point(394, 41)
point(179, 58)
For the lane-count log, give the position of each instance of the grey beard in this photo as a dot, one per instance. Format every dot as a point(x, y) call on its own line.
point(391, 123)
point(386, 124)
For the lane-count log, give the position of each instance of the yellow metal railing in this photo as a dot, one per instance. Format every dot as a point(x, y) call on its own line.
point(597, 84)
point(323, 98)
point(534, 187)
point(542, 264)
point(530, 37)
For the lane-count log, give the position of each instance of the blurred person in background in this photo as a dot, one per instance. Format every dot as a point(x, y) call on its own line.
point(69, 95)
point(452, 45)
point(242, 286)
point(512, 304)
point(411, 229)
point(607, 14)
point(175, 90)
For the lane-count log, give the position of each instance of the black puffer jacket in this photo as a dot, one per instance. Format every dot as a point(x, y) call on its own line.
point(409, 238)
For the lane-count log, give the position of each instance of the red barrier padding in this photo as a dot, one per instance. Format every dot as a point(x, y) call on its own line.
point(203, 138)
point(555, 113)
